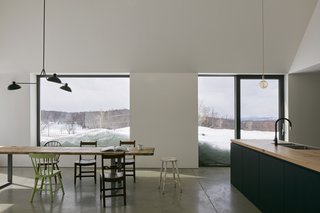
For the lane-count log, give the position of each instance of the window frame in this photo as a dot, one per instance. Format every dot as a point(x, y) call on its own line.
point(68, 76)
point(237, 96)
point(237, 93)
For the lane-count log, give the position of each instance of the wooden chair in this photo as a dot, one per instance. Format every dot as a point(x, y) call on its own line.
point(54, 144)
point(43, 166)
point(130, 160)
point(114, 173)
point(89, 162)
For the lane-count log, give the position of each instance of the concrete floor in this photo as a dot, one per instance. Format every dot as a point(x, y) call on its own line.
point(204, 190)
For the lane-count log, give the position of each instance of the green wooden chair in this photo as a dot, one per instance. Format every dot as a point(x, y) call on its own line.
point(43, 165)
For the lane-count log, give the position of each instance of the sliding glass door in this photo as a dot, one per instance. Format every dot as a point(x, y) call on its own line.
point(235, 107)
point(215, 119)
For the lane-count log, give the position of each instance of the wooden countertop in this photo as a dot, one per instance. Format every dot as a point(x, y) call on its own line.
point(306, 158)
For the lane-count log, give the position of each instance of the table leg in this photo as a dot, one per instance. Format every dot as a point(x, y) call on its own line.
point(9, 168)
point(9, 172)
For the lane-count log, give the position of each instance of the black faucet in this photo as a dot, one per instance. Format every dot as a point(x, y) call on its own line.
point(275, 129)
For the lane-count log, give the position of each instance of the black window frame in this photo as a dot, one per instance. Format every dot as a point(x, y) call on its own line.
point(67, 76)
point(237, 87)
point(237, 96)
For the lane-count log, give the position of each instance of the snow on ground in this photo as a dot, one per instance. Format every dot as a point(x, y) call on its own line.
point(220, 138)
point(216, 138)
point(105, 137)
point(214, 144)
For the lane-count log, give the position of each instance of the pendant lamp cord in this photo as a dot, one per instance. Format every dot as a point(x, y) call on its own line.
point(262, 24)
point(43, 72)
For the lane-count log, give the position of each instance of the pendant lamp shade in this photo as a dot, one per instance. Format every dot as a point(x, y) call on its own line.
point(14, 86)
point(263, 84)
point(54, 78)
point(66, 88)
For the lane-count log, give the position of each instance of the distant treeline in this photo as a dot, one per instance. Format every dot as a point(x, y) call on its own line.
point(112, 119)
point(208, 117)
point(226, 123)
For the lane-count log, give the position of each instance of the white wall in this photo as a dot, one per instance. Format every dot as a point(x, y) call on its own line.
point(308, 54)
point(220, 36)
point(304, 105)
point(163, 115)
point(14, 115)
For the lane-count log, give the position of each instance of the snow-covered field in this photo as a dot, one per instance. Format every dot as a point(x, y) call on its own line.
point(214, 144)
point(105, 137)
point(220, 138)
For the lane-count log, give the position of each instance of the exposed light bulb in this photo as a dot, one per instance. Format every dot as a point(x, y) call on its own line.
point(263, 83)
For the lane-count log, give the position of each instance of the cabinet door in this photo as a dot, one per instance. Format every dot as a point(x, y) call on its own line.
point(271, 184)
point(250, 176)
point(236, 166)
point(301, 188)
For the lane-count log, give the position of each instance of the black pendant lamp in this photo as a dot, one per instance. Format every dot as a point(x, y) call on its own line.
point(66, 88)
point(54, 78)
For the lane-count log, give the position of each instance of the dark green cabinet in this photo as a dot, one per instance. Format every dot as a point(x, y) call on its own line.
point(301, 188)
point(236, 166)
point(274, 185)
point(271, 184)
point(250, 178)
point(245, 171)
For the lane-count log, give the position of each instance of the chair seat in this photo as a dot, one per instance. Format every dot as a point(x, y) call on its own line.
point(86, 161)
point(108, 176)
point(46, 173)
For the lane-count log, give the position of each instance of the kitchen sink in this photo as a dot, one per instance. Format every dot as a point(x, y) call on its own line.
point(297, 146)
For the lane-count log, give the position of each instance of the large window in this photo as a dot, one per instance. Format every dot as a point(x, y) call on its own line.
point(96, 109)
point(259, 109)
point(235, 107)
point(215, 119)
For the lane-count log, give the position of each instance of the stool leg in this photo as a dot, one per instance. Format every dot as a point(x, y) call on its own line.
point(165, 176)
point(161, 169)
point(174, 174)
point(179, 183)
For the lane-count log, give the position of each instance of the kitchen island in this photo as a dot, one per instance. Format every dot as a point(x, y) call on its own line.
point(276, 178)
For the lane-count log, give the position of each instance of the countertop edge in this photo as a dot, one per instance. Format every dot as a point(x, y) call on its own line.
point(304, 158)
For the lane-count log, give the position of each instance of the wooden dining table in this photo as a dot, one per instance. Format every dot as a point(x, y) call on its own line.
point(13, 150)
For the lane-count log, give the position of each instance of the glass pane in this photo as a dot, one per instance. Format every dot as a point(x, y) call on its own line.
point(215, 119)
point(97, 109)
point(259, 109)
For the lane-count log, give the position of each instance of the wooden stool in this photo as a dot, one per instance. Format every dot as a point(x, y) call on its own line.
point(175, 171)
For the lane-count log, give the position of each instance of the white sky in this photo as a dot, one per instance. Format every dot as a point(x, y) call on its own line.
point(218, 93)
point(88, 94)
point(94, 94)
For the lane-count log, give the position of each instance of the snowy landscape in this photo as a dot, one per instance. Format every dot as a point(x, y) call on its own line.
point(214, 144)
point(105, 137)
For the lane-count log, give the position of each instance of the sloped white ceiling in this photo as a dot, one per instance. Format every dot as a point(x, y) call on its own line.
point(308, 55)
point(202, 36)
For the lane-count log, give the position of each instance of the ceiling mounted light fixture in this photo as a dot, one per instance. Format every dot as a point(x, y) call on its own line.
point(52, 78)
point(263, 83)
point(66, 88)
point(15, 86)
